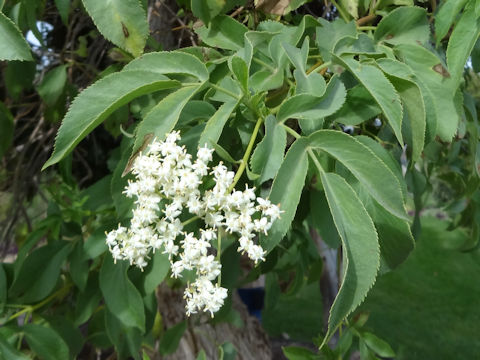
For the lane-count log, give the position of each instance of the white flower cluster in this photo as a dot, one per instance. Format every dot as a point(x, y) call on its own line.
point(167, 183)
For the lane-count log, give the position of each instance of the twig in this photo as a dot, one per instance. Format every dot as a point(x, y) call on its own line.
point(366, 19)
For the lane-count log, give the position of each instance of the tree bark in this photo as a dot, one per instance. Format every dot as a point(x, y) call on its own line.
point(250, 341)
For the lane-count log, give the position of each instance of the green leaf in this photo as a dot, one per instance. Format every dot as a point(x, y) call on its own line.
point(239, 68)
point(123, 22)
point(223, 32)
point(53, 84)
point(214, 126)
point(437, 85)
point(360, 248)
point(87, 300)
point(206, 10)
point(381, 347)
point(97, 102)
point(329, 34)
point(79, 266)
point(351, 6)
point(298, 353)
point(361, 44)
point(201, 355)
point(162, 117)
point(98, 195)
point(394, 234)
point(387, 159)
point(194, 111)
point(344, 343)
point(6, 129)
point(358, 107)
point(322, 220)
point(12, 44)
point(381, 90)
point(127, 340)
point(39, 273)
point(265, 80)
point(298, 57)
point(170, 62)
point(68, 331)
point(251, 175)
point(155, 272)
point(461, 43)
point(18, 77)
point(306, 106)
point(171, 338)
point(224, 154)
point(95, 244)
point(365, 352)
point(413, 104)
point(268, 155)
point(404, 25)
point(227, 351)
point(445, 16)
point(7, 351)
point(63, 7)
point(291, 175)
point(372, 172)
point(45, 342)
point(313, 84)
point(121, 296)
point(233, 88)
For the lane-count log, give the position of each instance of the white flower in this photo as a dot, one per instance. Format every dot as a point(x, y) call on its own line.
point(262, 225)
point(204, 154)
point(167, 186)
point(214, 219)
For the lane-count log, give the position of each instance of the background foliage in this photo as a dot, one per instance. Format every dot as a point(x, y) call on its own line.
point(358, 117)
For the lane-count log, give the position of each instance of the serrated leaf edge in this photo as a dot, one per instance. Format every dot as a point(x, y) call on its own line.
point(330, 331)
point(49, 162)
point(399, 188)
point(21, 35)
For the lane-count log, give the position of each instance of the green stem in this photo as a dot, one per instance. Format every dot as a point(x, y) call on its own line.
point(264, 64)
point(29, 309)
point(124, 132)
point(219, 254)
point(192, 219)
point(272, 69)
point(225, 91)
point(364, 28)
point(291, 132)
point(19, 313)
point(15, 306)
point(315, 160)
point(244, 160)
